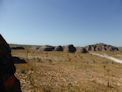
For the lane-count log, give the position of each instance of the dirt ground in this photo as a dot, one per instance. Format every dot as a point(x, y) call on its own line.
point(68, 72)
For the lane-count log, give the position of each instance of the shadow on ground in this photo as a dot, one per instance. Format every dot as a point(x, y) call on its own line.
point(17, 60)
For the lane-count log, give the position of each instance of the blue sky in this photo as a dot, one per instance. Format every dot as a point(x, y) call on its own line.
point(55, 22)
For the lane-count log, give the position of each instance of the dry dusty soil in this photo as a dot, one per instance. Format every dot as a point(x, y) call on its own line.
point(68, 72)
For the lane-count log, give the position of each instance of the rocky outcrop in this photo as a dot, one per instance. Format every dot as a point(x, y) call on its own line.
point(70, 48)
point(83, 50)
point(47, 48)
point(101, 47)
point(59, 48)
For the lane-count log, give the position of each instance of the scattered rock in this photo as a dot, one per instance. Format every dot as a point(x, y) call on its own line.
point(47, 48)
point(70, 48)
point(83, 50)
point(59, 48)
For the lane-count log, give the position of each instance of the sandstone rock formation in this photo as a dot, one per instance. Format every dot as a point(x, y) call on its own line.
point(59, 48)
point(47, 48)
point(101, 47)
point(83, 50)
point(70, 48)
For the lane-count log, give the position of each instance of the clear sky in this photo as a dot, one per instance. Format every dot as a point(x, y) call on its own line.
point(55, 22)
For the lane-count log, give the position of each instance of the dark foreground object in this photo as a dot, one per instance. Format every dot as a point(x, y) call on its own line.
point(8, 81)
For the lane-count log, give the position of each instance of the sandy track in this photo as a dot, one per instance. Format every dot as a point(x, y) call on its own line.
point(108, 57)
